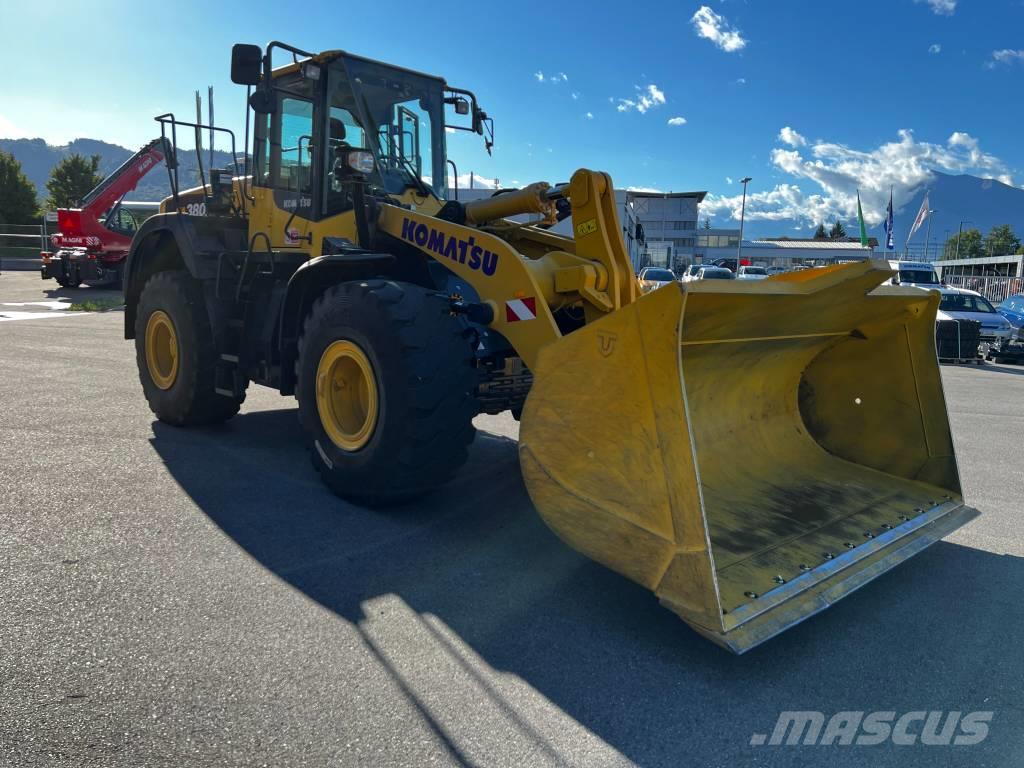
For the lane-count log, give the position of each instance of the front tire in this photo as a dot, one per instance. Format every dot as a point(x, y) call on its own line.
point(176, 354)
point(386, 388)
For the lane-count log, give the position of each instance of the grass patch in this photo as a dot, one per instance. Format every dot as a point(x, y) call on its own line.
point(96, 305)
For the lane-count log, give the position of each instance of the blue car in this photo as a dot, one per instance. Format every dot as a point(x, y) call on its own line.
point(1013, 310)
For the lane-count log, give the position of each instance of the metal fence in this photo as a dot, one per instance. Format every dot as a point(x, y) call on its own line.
point(995, 289)
point(20, 245)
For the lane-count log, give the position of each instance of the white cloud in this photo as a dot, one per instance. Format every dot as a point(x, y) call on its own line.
point(677, 121)
point(646, 98)
point(741, 81)
point(1006, 56)
point(642, 189)
point(590, 115)
point(479, 182)
point(940, 7)
point(728, 179)
point(711, 26)
point(561, 77)
point(934, 48)
point(839, 171)
point(8, 130)
point(788, 136)
point(575, 95)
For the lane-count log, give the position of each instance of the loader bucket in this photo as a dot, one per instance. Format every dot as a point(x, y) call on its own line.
point(749, 451)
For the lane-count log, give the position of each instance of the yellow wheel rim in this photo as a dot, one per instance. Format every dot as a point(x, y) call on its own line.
point(346, 395)
point(161, 350)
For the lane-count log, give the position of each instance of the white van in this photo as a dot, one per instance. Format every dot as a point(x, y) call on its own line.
point(919, 274)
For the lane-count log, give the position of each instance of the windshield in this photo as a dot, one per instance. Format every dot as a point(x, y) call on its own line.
point(964, 302)
point(397, 115)
point(925, 276)
point(694, 269)
point(716, 274)
point(661, 275)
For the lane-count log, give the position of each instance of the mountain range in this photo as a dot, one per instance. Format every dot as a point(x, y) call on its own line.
point(979, 203)
point(38, 158)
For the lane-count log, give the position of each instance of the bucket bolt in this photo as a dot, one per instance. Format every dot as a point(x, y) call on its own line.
point(778, 579)
point(887, 526)
point(868, 535)
point(751, 595)
point(848, 545)
point(804, 567)
point(829, 555)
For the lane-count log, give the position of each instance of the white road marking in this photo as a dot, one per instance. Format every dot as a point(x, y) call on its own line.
point(54, 308)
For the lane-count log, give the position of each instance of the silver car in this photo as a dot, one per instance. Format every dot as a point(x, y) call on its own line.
point(961, 304)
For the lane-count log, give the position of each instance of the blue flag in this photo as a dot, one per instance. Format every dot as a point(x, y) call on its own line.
point(889, 244)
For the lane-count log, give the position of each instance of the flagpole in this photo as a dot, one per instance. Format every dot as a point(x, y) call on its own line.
point(928, 233)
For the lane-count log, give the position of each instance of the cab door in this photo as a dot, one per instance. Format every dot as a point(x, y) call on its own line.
point(293, 166)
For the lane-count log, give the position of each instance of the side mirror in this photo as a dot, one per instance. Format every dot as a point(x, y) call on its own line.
point(246, 64)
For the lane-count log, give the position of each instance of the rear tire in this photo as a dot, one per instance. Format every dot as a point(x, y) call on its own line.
point(185, 393)
point(420, 373)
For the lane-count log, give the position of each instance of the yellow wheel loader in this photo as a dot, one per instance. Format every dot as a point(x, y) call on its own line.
point(750, 451)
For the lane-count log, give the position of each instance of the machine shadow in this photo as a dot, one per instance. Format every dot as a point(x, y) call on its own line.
point(476, 555)
point(82, 293)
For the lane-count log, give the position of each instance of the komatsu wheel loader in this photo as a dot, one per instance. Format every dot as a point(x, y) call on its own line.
point(749, 451)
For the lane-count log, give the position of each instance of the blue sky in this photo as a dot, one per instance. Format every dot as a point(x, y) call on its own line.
point(811, 99)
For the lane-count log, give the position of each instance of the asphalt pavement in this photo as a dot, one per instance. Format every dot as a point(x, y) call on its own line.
point(196, 597)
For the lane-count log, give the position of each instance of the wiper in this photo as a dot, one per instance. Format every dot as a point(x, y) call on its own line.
point(419, 183)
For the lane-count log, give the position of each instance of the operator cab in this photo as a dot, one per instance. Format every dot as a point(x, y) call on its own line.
point(381, 123)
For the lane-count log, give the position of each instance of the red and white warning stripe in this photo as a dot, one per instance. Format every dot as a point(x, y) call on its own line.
point(520, 309)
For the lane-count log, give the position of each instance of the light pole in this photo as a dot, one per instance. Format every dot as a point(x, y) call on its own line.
point(743, 210)
point(959, 235)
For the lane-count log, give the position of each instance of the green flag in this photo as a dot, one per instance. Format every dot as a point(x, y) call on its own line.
point(863, 230)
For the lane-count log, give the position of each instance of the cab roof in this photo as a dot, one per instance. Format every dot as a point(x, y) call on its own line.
point(326, 57)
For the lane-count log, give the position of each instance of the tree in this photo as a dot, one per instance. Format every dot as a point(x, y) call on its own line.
point(707, 222)
point(1001, 241)
point(838, 231)
point(71, 179)
point(17, 194)
point(970, 246)
point(820, 234)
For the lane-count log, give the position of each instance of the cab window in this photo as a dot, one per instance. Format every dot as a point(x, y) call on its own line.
point(292, 167)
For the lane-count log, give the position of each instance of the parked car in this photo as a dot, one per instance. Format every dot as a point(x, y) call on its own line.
point(714, 273)
point(690, 273)
point(776, 270)
point(752, 273)
point(652, 278)
point(961, 304)
point(1013, 310)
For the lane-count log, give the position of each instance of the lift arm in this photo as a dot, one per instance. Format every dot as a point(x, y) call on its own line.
point(524, 292)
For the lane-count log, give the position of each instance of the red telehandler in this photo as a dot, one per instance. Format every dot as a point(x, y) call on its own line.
point(92, 242)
